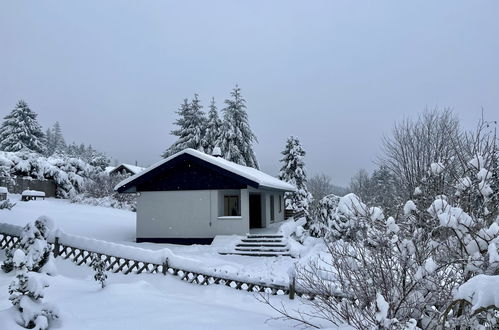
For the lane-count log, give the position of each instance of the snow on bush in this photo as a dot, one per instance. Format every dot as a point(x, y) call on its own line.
point(27, 292)
point(6, 205)
point(69, 174)
point(100, 192)
point(33, 243)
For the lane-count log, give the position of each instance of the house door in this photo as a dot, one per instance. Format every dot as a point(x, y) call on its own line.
point(255, 210)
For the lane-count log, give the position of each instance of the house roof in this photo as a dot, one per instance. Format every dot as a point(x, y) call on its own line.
point(132, 168)
point(261, 180)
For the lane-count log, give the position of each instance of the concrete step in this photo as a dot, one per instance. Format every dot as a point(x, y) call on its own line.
point(261, 240)
point(261, 250)
point(261, 245)
point(258, 254)
point(264, 236)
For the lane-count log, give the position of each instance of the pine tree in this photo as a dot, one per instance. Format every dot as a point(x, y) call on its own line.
point(59, 145)
point(34, 245)
point(21, 131)
point(49, 142)
point(293, 171)
point(213, 126)
point(383, 191)
point(191, 127)
point(27, 292)
point(236, 138)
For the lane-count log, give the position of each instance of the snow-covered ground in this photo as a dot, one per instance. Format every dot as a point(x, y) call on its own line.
point(146, 301)
point(118, 226)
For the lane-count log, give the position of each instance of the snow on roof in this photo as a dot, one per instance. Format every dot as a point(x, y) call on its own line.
point(249, 173)
point(132, 168)
point(3, 190)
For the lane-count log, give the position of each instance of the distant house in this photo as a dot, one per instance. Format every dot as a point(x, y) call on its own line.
point(191, 197)
point(125, 169)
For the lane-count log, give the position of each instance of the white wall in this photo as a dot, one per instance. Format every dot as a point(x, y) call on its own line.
point(189, 214)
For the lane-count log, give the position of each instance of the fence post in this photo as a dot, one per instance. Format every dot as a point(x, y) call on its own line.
point(56, 247)
point(165, 266)
point(292, 288)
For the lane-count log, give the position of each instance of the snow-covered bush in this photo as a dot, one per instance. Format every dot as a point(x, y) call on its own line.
point(99, 266)
point(100, 192)
point(69, 174)
point(33, 243)
point(27, 292)
point(427, 267)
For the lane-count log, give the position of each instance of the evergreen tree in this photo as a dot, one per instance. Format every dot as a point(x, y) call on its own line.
point(59, 145)
point(213, 126)
point(383, 191)
point(236, 138)
point(49, 150)
point(293, 171)
point(21, 131)
point(191, 126)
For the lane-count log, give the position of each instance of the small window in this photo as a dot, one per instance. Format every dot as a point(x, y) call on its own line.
point(280, 203)
point(231, 206)
point(272, 215)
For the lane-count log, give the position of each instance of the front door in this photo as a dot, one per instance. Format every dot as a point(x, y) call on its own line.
point(255, 210)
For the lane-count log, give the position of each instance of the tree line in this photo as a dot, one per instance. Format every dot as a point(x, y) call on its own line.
point(20, 131)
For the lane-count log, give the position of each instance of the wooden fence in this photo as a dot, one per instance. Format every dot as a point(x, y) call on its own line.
point(118, 264)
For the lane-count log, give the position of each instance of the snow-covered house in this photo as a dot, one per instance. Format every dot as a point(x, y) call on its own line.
point(125, 169)
point(190, 197)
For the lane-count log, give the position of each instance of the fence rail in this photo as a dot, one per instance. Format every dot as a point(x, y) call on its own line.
point(117, 264)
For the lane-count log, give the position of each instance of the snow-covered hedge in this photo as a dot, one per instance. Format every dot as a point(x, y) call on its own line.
point(69, 174)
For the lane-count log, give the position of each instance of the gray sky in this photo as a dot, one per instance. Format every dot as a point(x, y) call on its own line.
point(337, 74)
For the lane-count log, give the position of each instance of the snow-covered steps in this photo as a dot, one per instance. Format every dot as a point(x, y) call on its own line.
point(261, 246)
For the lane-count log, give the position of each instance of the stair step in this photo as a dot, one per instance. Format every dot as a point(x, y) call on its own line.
point(265, 236)
point(261, 250)
point(245, 240)
point(258, 254)
point(261, 245)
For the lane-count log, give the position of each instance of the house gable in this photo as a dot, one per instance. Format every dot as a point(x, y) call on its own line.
point(186, 172)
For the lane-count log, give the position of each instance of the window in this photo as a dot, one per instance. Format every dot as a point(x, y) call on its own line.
point(280, 203)
point(231, 206)
point(272, 216)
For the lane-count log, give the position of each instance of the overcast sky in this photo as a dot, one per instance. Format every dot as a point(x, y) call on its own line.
point(336, 74)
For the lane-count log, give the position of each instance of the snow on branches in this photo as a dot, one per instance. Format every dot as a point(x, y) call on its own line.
point(293, 171)
point(69, 174)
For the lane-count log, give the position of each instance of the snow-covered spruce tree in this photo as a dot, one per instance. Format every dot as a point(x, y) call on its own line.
point(27, 292)
point(191, 127)
point(384, 191)
point(236, 138)
point(21, 131)
point(34, 245)
point(58, 145)
point(213, 126)
point(293, 171)
point(99, 266)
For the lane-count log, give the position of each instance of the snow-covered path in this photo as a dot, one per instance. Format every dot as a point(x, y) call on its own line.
point(146, 301)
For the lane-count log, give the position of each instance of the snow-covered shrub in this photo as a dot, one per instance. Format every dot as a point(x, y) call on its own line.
point(34, 245)
point(99, 266)
point(6, 205)
point(69, 174)
point(405, 271)
point(100, 192)
point(27, 292)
